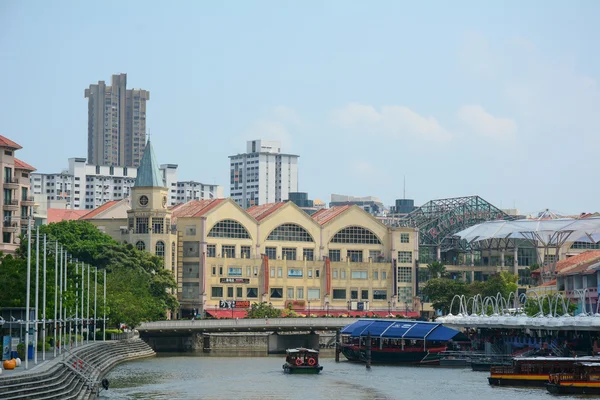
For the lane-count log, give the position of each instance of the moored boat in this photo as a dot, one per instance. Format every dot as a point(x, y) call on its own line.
point(585, 379)
point(534, 371)
point(302, 361)
point(396, 342)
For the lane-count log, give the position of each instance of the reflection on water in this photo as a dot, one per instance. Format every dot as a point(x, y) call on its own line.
point(212, 378)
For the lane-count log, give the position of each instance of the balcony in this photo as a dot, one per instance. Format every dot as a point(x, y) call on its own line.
point(10, 182)
point(27, 201)
point(11, 204)
point(10, 226)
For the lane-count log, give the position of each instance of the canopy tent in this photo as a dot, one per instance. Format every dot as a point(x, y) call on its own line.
point(416, 330)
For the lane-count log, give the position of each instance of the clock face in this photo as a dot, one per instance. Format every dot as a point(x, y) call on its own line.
point(164, 201)
point(143, 201)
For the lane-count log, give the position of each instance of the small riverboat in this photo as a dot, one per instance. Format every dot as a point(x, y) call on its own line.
point(302, 361)
point(397, 342)
point(585, 379)
point(534, 371)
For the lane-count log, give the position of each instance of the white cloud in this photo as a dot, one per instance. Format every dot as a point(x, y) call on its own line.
point(478, 121)
point(364, 168)
point(278, 123)
point(393, 122)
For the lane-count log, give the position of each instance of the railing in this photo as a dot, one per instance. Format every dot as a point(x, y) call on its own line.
point(27, 198)
point(122, 336)
point(85, 370)
point(245, 323)
point(10, 179)
point(8, 202)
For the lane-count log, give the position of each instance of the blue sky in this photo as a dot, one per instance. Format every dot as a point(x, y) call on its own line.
point(462, 98)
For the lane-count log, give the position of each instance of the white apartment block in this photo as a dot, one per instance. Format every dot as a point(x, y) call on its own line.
point(85, 186)
point(263, 174)
point(191, 190)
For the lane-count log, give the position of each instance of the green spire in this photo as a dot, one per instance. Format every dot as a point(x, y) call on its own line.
point(148, 173)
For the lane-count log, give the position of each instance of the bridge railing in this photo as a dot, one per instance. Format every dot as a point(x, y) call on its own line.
point(247, 323)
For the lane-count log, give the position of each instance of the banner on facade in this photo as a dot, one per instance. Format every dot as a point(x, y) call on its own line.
point(6, 348)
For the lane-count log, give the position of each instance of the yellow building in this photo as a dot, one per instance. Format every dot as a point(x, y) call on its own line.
point(224, 258)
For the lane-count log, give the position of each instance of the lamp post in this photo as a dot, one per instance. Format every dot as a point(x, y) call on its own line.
point(95, 299)
point(37, 293)
point(61, 321)
point(309, 309)
point(389, 308)
point(28, 290)
point(55, 293)
point(406, 305)
point(44, 307)
point(104, 319)
point(82, 296)
point(327, 309)
point(87, 339)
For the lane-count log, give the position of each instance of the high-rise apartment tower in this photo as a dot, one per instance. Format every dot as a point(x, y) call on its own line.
point(116, 123)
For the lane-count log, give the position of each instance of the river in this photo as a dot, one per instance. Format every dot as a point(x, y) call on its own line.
point(220, 378)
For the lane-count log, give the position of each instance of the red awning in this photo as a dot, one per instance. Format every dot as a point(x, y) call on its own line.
point(227, 313)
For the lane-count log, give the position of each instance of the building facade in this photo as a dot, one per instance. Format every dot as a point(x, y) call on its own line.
point(191, 190)
point(17, 201)
point(370, 204)
point(116, 123)
point(263, 174)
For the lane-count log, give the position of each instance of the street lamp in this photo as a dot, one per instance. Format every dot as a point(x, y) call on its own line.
point(309, 309)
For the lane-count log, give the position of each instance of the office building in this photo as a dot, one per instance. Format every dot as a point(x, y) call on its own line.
point(263, 174)
point(17, 202)
point(116, 123)
point(370, 204)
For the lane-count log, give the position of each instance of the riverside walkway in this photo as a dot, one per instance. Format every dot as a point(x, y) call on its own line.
point(245, 325)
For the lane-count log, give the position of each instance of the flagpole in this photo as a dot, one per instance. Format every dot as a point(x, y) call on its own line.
point(28, 290)
point(37, 293)
point(55, 293)
point(44, 307)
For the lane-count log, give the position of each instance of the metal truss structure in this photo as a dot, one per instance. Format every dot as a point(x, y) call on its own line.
point(439, 220)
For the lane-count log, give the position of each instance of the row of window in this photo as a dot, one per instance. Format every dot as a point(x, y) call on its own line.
point(295, 293)
point(237, 271)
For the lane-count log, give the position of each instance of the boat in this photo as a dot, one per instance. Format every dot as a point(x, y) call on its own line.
point(585, 379)
point(534, 371)
point(486, 365)
point(396, 342)
point(302, 361)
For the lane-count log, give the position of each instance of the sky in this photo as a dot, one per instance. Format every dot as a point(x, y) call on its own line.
point(496, 99)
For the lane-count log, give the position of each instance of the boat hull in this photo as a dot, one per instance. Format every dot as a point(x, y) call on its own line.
point(573, 388)
point(395, 357)
point(304, 369)
point(518, 380)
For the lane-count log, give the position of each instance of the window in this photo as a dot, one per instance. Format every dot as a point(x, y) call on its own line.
point(375, 275)
point(229, 291)
point(255, 271)
point(141, 225)
point(288, 253)
point(317, 273)
point(211, 250)
point(290, 293)
point(335, 255)
point(299, 293)
point(228, 251)
point(308, 254)
point(272, 272)
point(160, 248)
point(359, 275)
point(190, 230)
point(353, 294)
point(279, 272)
point(220, 270)
point(129, 221)
point(216, 291)
point(245, 251)
point(355, 255)
point(173, 255)
point(364, 294)
point(271, 252)
point(229, 228)
point(355, 235)
point(405, 257)
point(276, 293)
point(383, 275)
point(140, 245)
point(339, 294)
point(214, 270)
point(404, 274)
point(376, 256)
point(251, 292)
point(191, 249)
point(314, 294)
point(248, 271)
point(290, 233)
point(239, 292)
point(335, 274)
point(310, 273)
point(404, 237)
point(343, 274)
point(191, 269)
point(158, 225)
point(234, 271)
point(295, 273)
point(379, 294)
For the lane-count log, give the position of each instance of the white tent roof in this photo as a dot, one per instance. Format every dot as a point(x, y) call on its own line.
point(547, 231)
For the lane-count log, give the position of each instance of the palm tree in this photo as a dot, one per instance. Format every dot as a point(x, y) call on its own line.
point(436, 269)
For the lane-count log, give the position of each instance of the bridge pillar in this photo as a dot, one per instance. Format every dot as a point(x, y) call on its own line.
point(516, 261)
point(438, 253)
point(502, 260)
point(278, 344)
point(472, 276)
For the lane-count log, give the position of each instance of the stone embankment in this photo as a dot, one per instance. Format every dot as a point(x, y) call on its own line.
point(74, 375)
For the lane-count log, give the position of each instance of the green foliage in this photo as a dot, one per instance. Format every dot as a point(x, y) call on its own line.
point(21, 351)
point(263, 310)
point(532, 307)
point(436, 270)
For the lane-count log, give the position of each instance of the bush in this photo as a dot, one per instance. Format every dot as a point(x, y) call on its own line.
point(21, 350)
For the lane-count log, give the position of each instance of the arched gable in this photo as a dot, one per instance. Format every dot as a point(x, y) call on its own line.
point(355, 234)
point(290, 232)
point(229, 228)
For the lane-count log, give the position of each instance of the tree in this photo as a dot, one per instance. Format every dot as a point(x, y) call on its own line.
point(436, 270)
point(263, 310)
point(503, 282)
point(532, 307)
point(441, 291)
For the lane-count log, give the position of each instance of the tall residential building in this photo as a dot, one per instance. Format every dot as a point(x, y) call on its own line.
point(116, 123)
point(17, 201)
point(263, 174)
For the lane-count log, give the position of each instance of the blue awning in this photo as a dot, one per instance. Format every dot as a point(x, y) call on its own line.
point(391, 329)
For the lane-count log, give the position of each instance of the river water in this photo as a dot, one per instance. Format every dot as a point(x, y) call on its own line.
point(216, 378)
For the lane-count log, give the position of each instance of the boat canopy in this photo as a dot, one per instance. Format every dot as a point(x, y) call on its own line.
point(416, 330)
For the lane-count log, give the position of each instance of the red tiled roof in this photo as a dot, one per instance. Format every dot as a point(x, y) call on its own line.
point(23, 165)
point(579, 262)
point(195, 208)
point(100, 209)
point(327, 214)
point(550, 283)
point(263, 211)
point(5, 142)
point(60, 214)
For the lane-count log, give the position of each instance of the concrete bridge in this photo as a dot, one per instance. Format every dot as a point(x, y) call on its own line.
point(240, 336)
